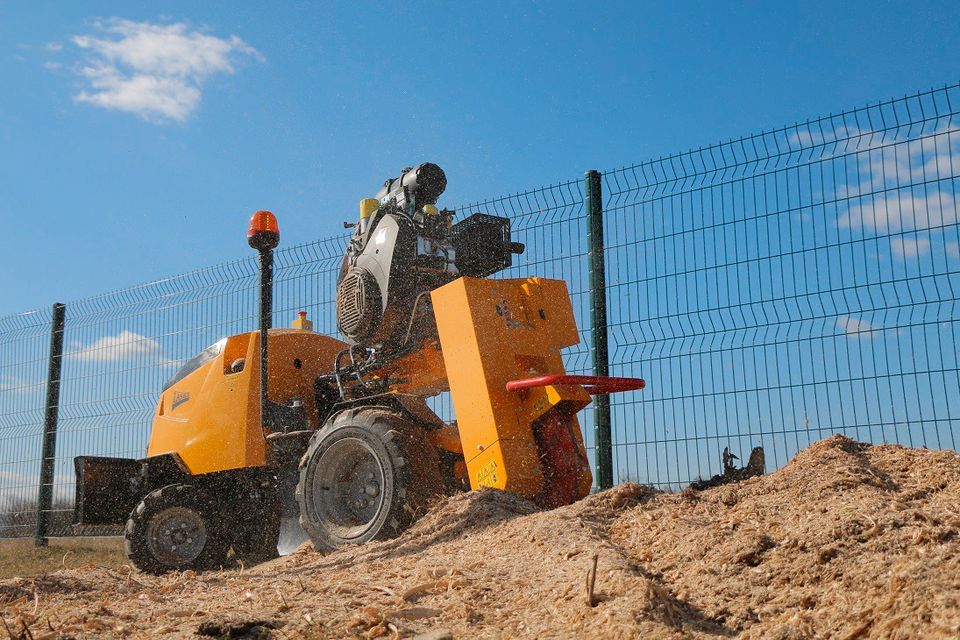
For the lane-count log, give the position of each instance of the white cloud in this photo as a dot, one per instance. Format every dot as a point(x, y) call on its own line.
point(897, 187)
point(156, 71)
point(900, 211)
point(805, 138)
point(808, 136)
point(53, 66)
point(126, 345)
point(18, 385)
point(856, 327)
point(930, 159)
point(20, 489)
point(53, 47)
point(909, 247)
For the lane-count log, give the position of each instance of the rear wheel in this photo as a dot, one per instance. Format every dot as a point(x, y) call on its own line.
point(367, 475)
point(175, 528)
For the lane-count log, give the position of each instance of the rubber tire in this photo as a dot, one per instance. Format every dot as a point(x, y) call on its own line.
point(135, 545)
point(257, 530)
point(411, 469)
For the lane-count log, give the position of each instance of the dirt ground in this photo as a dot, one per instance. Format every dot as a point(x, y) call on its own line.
point(846, 541)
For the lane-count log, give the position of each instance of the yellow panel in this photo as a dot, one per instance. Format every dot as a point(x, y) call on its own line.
point(491, 332)
point(446, 438)
point(558, 322)
point(420, 373)
point(211, 418)
point(204, 415)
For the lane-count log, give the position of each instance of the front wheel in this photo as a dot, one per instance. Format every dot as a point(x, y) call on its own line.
point(367, 475)
point(175, 528)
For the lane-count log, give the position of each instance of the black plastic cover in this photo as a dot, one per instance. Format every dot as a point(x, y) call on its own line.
point(483, 245)
point(107, 489)
point(425, 183)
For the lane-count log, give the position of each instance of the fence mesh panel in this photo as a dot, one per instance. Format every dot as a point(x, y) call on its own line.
point(788, 285)
point(772, 290)
point(24, 347)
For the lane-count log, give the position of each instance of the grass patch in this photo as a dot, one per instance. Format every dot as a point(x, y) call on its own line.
point(18, 557)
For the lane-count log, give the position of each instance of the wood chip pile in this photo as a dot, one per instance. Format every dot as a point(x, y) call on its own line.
point(846, 541)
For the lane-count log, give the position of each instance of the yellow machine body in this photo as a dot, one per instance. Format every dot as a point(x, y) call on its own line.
point(492, 332)
point(345, 439)
point(210, 417)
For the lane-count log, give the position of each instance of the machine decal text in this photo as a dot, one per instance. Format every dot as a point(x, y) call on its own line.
point(179, 397)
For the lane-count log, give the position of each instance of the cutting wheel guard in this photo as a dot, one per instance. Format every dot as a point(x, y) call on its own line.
point(594, 385)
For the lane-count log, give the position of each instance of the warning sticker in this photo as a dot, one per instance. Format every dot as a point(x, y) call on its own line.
point(487, 475)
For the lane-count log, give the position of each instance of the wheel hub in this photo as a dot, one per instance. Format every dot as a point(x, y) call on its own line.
point(348, 488)
point(176, 536)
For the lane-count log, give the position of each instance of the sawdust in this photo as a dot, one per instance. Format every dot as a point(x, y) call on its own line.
point(846, 541)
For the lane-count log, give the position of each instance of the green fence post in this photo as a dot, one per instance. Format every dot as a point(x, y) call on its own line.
point(598, 328)
point(48, 455)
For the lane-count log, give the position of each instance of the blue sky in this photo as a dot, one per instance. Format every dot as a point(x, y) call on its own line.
point(127, 158)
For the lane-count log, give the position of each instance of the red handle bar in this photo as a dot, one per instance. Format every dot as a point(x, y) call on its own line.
point(595, 385)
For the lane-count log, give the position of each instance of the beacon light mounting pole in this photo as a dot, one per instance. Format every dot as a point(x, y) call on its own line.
point(263, 235)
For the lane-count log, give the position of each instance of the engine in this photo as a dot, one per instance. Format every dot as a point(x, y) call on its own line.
point(401, 249)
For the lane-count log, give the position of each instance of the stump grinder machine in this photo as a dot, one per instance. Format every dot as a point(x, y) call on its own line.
point(345, 437)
